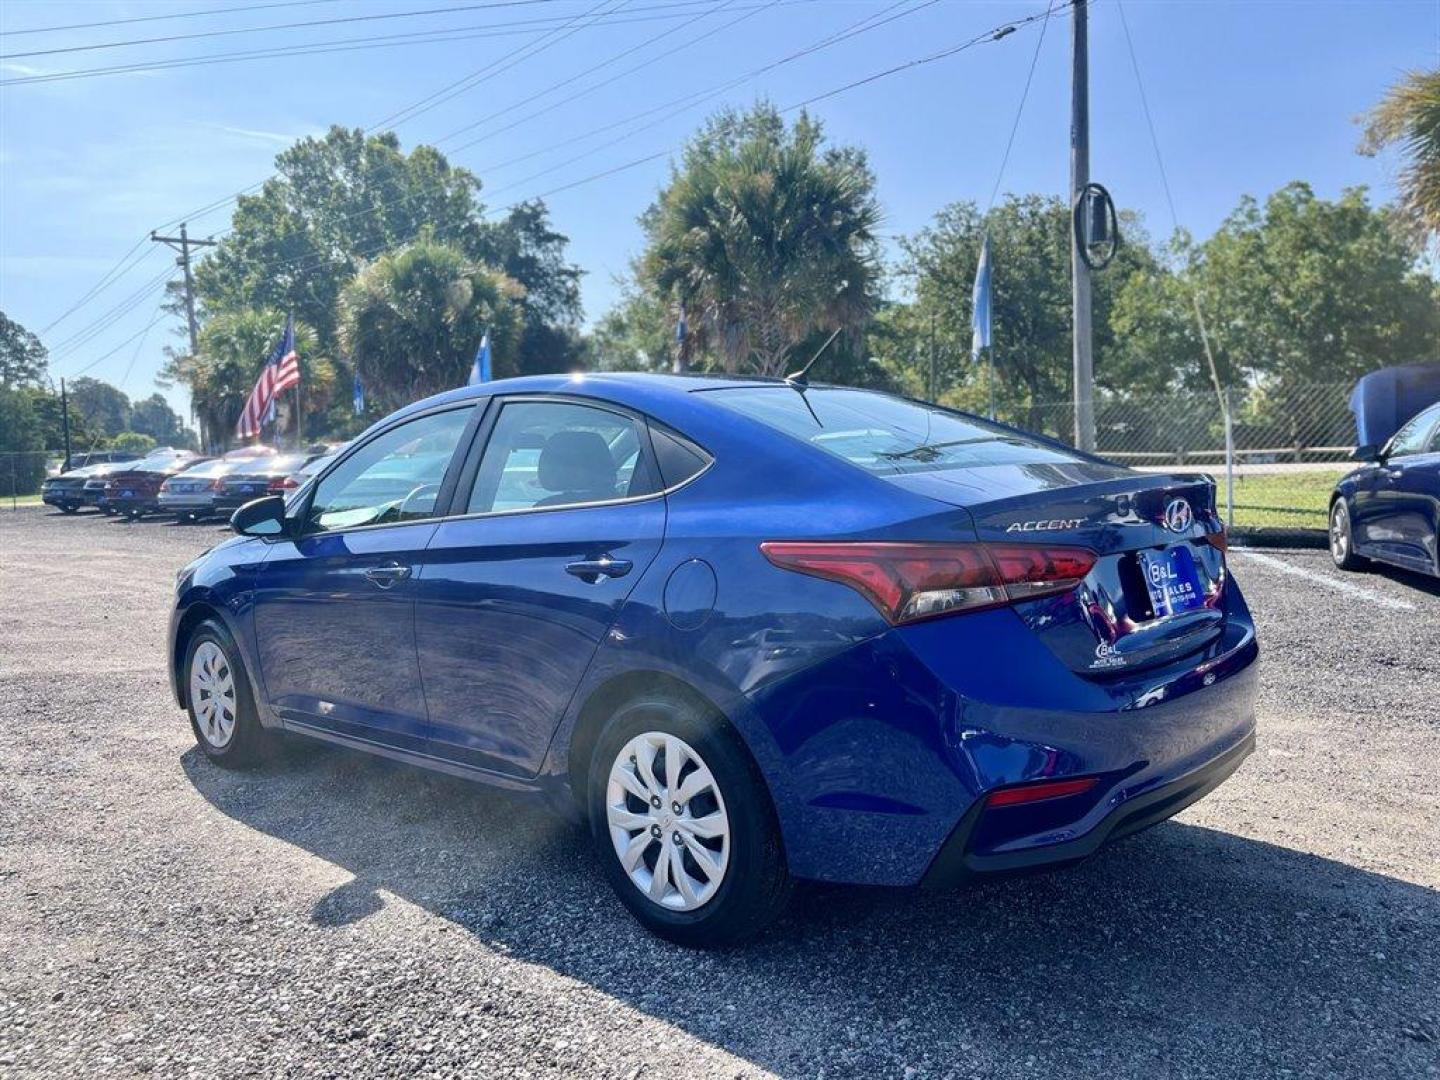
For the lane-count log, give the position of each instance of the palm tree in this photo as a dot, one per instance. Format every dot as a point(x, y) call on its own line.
point(233, 346)
point(412, 320)
point(765, 236)
point(1409, 117)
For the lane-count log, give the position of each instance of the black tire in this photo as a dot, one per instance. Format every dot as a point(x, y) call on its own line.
point(134, 515)
point(66, 508)
point(109, 511)
point(756, 883)
point(1342, 538)
point(250, 743)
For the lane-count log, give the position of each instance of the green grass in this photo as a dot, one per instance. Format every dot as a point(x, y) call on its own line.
point(6, 502)
point(1295, 500)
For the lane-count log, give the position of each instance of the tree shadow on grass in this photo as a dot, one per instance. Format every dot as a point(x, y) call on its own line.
point(1181, 952)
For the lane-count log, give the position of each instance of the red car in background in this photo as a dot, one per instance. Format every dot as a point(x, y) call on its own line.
point(136, 492)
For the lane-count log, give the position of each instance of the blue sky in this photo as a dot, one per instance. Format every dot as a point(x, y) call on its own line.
point(1246, 97)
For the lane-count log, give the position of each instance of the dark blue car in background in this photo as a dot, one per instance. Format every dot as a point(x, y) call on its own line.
point(1388, 510)
point(755, 631)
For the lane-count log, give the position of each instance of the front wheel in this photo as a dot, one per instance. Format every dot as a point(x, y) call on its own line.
point(66, 508)
point(683, 825)
point(1342, 538)
point(218, 699)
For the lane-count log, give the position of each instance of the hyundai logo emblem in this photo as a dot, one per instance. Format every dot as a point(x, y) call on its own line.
point(1178, 515)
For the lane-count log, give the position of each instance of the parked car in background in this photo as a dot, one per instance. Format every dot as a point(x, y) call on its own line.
point(160, 457)
point(752, 631)
point(1388, 510)
point(256, 478)
point(66, 490)
point(135, 490)
point(190, 495)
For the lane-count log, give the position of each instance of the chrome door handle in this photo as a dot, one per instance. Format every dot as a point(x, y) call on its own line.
point(384, 577)
point(592, 570)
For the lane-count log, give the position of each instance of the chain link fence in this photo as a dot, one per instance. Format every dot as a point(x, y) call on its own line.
point(22, 473)
point(1276, 451)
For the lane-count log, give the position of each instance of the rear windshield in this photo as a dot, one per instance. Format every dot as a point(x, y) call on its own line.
point(883, 433)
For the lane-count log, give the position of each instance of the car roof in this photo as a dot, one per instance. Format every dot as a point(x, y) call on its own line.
point(639, 389)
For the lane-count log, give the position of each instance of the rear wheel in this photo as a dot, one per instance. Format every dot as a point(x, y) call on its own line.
point(218, 699)
point(66, 508)
point(683, 825)
point(1342, 538)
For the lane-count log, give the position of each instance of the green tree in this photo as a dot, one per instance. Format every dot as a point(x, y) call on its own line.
point(154, 417)
point(134, 441)
point(767, 236)
point(1030, 304)
point(412, 320)
point(233, 346)
point(106, 408)
point(333, 203)
point(1408, 117)
point(23, 360)
point(1304, 289)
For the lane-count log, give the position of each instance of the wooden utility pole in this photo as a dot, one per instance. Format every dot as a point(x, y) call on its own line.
point(1084, 365)
point(183, 244)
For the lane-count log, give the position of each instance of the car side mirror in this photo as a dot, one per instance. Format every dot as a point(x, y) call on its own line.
point(261, 517)
point(1368, 452)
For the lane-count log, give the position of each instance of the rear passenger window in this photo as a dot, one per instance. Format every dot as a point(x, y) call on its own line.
point(550, 453)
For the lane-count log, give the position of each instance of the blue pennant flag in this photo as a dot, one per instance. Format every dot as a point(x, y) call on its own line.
point(980, 303)
point(358, 396)
point(480, 370)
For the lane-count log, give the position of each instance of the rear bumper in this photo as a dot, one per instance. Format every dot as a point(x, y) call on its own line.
point(959, 862)
point(188, 504)
point(138, 504)
point(883, 757)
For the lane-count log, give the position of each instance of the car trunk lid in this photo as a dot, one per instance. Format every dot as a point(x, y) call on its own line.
point(1154, 593)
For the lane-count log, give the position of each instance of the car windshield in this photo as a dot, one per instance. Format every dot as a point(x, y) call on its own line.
point(883, 433)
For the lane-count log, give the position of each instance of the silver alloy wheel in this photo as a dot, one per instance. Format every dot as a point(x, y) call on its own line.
point(212, 694)
point(667, 821)
point(1339, 532)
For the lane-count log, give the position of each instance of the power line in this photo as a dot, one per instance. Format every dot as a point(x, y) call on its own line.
point(682, 104)
point(490, 71)
point(276, 26)
point(110, 317)
point(513, 28)
point(161, 18)
point(1019, 112)
point(107, 279)
point(746, 13)
point(996, 34)
point(1174, 217)
point(106, 356)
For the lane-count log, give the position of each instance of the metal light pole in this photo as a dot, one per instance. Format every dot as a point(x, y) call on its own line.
point(1084, 366)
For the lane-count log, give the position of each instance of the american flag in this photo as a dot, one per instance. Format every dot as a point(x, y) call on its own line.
point(280, 373)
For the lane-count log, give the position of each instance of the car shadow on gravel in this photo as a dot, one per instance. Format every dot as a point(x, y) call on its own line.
point(1181, 948)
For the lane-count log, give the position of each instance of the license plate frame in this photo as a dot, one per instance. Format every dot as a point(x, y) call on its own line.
point(1172, 580)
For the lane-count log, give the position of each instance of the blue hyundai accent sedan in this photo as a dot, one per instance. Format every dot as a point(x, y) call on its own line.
point(1388, 510)
point(756, 631)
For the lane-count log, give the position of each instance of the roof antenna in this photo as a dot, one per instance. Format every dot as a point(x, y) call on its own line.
point(801, 378)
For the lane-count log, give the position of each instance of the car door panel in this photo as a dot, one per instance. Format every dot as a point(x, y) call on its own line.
point(562, 518)
point(335, 601)
point(505, 631)
point(336, 634)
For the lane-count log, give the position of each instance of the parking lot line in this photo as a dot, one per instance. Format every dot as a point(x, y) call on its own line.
point(1338, 584)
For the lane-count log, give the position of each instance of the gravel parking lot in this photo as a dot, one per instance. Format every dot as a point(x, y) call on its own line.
point(332, 915)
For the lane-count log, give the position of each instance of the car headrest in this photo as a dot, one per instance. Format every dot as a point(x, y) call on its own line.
point(576, 461)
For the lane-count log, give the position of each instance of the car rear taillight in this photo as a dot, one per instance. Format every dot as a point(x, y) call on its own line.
point(281, 483)
point(1220, 541)
point(907, 582)
point(164, 486)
